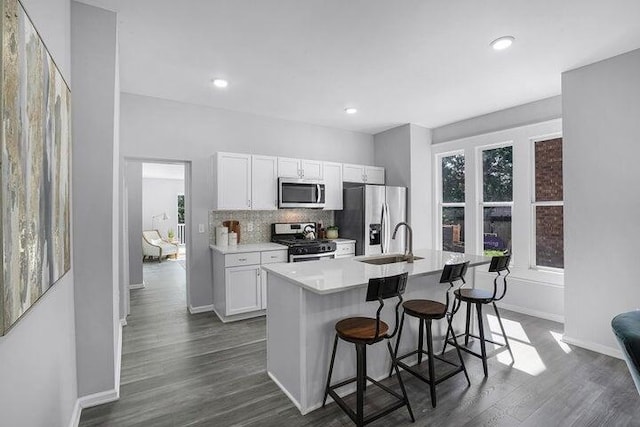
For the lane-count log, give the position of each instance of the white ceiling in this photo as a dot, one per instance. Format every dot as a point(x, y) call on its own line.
point(162, 170)
point(422, 61)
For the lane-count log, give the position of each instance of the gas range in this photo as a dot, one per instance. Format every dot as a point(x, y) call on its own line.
point(302, 248)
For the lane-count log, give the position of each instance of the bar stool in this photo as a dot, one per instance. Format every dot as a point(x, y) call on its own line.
point(479, 297)
point(364, 331)
point(428, 311)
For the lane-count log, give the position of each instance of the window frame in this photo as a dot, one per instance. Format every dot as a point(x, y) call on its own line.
point(480, 192)
point(440, 204)
point(533, 203)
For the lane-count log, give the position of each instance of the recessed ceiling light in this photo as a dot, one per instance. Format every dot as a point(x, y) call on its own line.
point(350, 110)
point(221, 83)
point(502, 42)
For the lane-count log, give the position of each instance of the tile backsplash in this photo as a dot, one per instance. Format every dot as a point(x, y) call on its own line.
point(262, 221)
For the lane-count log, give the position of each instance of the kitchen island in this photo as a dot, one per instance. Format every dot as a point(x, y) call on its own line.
point(306, 300)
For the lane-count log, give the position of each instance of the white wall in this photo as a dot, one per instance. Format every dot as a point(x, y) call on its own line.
point(133, 185)
point(153, 128)
point(531, 291)
point(158, 196)
point(521, 115)
point(95, 207)
point(38, 356)
point(601, 107)
point(405, 153)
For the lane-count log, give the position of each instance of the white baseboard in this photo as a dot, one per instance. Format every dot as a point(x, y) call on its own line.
point(598, 348)
point(137, 285)
point(102, 397)
point(75, 414)
point(530, 312)
point(200, 309)
point(237, 317)
point(286, 392)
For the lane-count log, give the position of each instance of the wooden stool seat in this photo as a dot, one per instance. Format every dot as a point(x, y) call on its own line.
point(474, 295)
point(355, 329)
point(424, 308)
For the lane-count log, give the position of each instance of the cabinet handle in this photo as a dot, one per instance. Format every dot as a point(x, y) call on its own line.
point(274, 256)
point(242, 259)
point(258, 272)
point(248, 203)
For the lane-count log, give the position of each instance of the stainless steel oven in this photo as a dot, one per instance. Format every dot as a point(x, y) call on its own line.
point(312, 257)
point(300, 193)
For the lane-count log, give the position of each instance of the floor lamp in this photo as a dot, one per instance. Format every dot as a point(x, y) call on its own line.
point(161, 217)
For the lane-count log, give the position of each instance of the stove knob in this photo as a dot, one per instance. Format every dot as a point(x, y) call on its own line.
point(303, 251)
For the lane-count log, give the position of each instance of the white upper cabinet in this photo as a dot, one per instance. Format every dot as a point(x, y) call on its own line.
point(288, 168)
point(311, 169)
point(264, 183)
point(232, 181)
point(362, 174)
point(332, 173)
point(297, 168)
point(374, 174)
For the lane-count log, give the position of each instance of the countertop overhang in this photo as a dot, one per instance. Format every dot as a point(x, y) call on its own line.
point(337, 275)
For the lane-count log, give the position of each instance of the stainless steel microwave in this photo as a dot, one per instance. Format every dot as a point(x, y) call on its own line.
point(300, 193)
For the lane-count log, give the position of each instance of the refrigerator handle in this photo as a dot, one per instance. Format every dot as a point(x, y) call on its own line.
point(387, 225)
point(382, 230)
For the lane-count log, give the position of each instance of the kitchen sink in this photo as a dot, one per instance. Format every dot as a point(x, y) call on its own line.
point(390, 259)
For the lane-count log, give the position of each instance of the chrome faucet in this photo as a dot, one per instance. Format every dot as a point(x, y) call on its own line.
point(408, 250)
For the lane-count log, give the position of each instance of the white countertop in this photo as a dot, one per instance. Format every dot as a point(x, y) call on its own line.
point(325, 277)
point(251, 247)
point(341, 240)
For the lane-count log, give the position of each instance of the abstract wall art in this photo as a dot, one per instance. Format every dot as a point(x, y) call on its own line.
point(35, 147)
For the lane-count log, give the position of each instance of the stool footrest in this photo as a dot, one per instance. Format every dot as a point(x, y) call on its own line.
point(412, 370)
point(501, 347)
point(400, 402)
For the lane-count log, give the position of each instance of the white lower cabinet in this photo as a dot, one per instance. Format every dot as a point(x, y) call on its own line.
point(243, 289)
point(240, 285)
point(345, 249)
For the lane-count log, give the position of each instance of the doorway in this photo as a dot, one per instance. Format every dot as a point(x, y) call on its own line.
point(158, 231)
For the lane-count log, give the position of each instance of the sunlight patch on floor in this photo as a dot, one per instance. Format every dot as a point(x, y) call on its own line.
point(558, 337)
point(512, 328)
point(527, 358)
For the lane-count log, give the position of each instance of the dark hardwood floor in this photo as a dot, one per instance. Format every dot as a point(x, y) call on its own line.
point(186, 370)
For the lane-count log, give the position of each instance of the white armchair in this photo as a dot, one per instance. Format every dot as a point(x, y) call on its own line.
point(153, 245)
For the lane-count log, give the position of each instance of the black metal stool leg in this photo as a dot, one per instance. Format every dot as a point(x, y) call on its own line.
point(420, 340)
point(404, 391)
point(333, 358)
point(432, 369)
point(468, 322)
point(446, 337)
point(455, 342)
point(361, 380)
point(504, 334)
point(483, 349)
point(397, 343)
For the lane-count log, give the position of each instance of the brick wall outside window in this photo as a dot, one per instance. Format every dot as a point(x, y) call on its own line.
point(548, 188)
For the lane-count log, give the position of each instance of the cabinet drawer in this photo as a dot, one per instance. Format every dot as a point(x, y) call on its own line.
point(248, 258)
point(346, 249)
point(271, 257)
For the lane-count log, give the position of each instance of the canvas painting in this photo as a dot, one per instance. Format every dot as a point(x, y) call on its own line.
point(35, 143)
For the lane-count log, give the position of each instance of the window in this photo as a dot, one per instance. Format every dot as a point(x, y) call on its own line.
point(452, 205)
point(548, 204)
point(496, 200)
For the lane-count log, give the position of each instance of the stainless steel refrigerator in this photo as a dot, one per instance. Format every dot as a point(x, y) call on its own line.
point(369, 215)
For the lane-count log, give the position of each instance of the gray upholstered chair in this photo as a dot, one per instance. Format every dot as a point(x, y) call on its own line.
point(153, 245)
point(626, 327)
